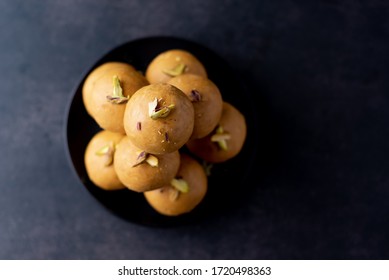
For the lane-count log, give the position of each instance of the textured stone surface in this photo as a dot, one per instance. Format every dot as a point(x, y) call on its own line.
point(318, 71)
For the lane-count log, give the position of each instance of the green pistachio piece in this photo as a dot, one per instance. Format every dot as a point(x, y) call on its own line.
point(156, 111)
point(141, 158)
point(221, 138)
point(163, 112)
point(103, 151)
point(219, 129)
point(223, 145)
point(180, 185)
point(176, 71)
point(152, 160)
point(146, 157)
point(107, 152)
point(117, 96)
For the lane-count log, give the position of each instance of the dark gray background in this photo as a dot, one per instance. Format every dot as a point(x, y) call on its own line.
point(318, 72)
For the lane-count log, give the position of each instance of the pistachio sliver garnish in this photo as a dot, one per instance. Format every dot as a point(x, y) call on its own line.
point(141, 158)
point(180, 185)
point(107, 152)
point(103, 151)
point(194, 95)
point(117, 88)
point(117, 100)
point(176, 71)
point(117, 96)
point(146, 157)
point(152, 160)
point(219, 129)
point(220, 137)
point(223, 145)
point(163, 112)
point(156, 111)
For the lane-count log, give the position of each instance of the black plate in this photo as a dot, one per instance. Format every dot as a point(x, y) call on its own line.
point(228, 183)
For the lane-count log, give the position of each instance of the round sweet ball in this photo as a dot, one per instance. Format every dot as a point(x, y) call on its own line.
point(140, 171)
point(159, 119)
point(206, 99)
point(99, 160)
point(173, 63)
point(106, 91)
point(227, 139)
point(184, 192)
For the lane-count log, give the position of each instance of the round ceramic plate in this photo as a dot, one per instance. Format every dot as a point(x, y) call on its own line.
point(228, 182)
